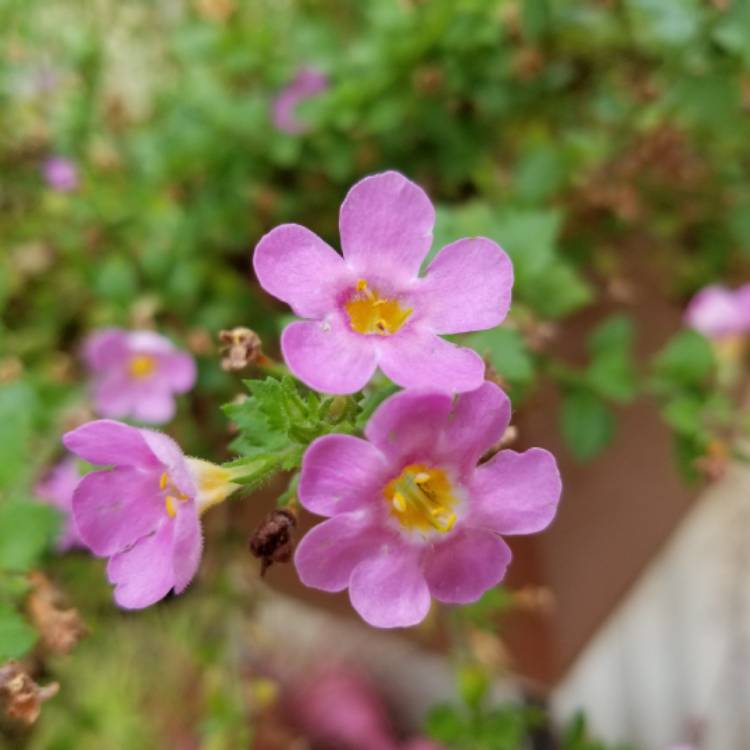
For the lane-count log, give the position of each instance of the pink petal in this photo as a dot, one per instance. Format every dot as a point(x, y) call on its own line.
point(143, 574)
point(478, 421)
point(407, 426)
point(296, 266)
point(152, 405)
point(386, 226)
point(172, 459)
point(149, 342)
point(516, 493)
point(460, 569)
point(716, 311)
point(105, 348)
point(341, 473)
point(327, 357)
point(467, 287)
point(330, 551)
point(187, 546)
point(417, 359)
point(114, 509)
point(105, 442)
point(179, 371)
point(388, 589)
point(113, 394)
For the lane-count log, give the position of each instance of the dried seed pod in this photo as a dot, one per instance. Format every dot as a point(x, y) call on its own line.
point(60, 626)
point(240, 348)
point(20, 697)
point(273, 540)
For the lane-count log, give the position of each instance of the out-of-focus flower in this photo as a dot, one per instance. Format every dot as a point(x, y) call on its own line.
point(143, 513)
point(719, 312)
point(136, 374)
point(422, 744)
point(370, 308)
point(411, 513)
point(307, 83)
point(340, 708)
point(60, 174)
point(56, 488)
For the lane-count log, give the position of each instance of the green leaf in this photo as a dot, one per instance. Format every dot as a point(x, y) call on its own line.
point(687, 360)
point(16, 635)
point(507, 351)
point(586, 423)
point(17, 406)
point(611, 372)
point(26, 530)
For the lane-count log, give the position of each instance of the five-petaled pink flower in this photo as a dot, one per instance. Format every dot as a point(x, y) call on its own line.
point(136, 374)
point(308, 82)
point(410, 512)
point(370, 307)
point(143, 513)
point(56, 488)
point(60, 174)
point(719, 312)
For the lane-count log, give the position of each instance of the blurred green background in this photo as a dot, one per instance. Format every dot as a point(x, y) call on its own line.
point(578, 133)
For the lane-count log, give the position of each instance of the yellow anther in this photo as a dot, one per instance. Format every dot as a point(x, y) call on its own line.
point(361, 285)
point(141, 366)
point(163, 481)
point(171, 504)
point(369, 313)
point(422, 498)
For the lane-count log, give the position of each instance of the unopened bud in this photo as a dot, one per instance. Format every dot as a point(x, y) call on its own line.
point(240, 347)
point(273, 540)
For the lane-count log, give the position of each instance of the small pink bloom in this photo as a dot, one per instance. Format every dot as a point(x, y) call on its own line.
point(60, 174)
point(340, 708)
point(411, 515)
point(717, 311)
point(56, 488)
point(422, 744)
point(370, 308)
point(308, 82)
point(136, 374)
point(143, 512)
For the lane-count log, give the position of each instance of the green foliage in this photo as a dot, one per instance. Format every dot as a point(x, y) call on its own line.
point(586, 422)
point(576, 737)
point(485, 612)
point(16, 636)
point(509, 356)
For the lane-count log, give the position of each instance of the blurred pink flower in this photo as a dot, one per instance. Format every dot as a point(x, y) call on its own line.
point(307, 83)
point(422, 744)
point(143, 512)
point(717, 311)
point(411, 514)
point(56, 488)
point(60, 174)
point(340, 708)
point(136, 374)
point(370, 308)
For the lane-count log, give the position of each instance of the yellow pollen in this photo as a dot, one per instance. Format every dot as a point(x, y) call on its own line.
point(422, 498)
point(174, 497)
point(369, 313)
point(141, 365)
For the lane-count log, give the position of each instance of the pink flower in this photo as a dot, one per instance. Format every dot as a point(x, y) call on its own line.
point(56, 488)
point(308, 82)
point(411, 514)
point(717, 311)
point(370, 308)
point(136, 374)
point(422, 744)
point(143, 512)
point(60, 174)
point(339, 708)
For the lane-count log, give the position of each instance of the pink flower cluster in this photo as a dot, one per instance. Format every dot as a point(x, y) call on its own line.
point(720, 312)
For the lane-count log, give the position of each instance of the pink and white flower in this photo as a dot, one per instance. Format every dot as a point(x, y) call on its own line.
point(143, 513)
point(410, 514)
point(60, 174)
point(719, 312)
point(370, 308)
point(137, 374)
point(307, 83)
point(56, 488)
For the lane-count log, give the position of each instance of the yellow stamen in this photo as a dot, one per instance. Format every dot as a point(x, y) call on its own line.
point(369, 313)
point(174, 496)
point(421, 498)
point(141, 365)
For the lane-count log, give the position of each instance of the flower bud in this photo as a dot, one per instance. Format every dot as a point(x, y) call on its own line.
point(241, 347)
point(273, 540)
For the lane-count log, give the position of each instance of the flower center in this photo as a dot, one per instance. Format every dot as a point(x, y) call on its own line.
point(173, 496)
point(422, 498)
point(370, 313)
point(141, 365)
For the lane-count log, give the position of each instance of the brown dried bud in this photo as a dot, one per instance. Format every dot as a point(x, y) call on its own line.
point(59, 626)
point(215, 10)
point(20, 697)
point(240, 347)
point(273, 540)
